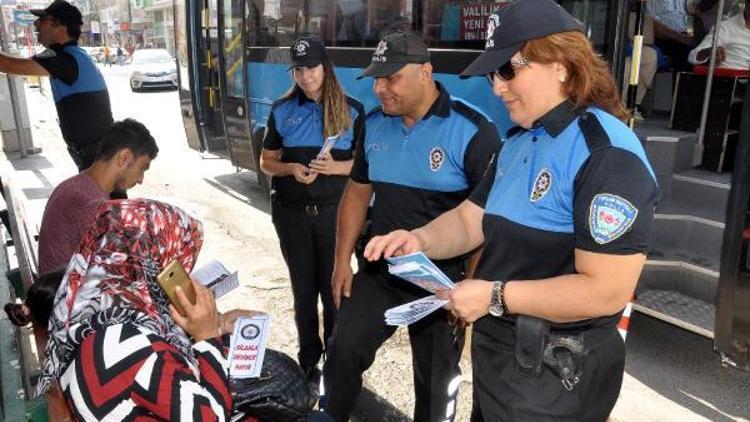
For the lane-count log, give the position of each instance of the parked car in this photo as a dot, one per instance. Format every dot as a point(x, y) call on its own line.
point(152, 68)
point(93, 52)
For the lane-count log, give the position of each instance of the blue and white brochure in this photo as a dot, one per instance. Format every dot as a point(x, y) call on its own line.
point(416, 268)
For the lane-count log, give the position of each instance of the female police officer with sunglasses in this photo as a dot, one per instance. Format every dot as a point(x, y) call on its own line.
point(565, 224)
point(308, 183)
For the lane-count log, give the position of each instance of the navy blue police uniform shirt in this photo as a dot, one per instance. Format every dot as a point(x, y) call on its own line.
point(296, 126)
point(80, 94)
point(418, 173)
point(574, 180)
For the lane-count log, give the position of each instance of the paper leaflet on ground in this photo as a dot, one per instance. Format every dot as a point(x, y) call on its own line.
point(248, 346)
point(417, 269)
point(217, 278)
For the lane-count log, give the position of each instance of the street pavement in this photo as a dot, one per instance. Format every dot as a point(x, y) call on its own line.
point(671, 375)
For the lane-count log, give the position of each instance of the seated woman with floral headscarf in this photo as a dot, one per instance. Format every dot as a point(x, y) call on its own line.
point(116, 345)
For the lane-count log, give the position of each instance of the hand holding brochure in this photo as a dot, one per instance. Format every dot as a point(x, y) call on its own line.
point(248, 346)
point(417, 269)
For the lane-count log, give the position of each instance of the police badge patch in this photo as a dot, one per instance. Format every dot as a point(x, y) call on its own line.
point(301, 47)
point(609, 217)
point(542, 183)
point(379, 55)
point(437, 156)
point(492, 24)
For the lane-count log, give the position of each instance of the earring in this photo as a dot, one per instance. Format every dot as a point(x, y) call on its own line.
point(562, 79)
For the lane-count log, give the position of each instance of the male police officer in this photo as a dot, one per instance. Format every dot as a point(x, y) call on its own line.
point(78, 88)
point(423, 153)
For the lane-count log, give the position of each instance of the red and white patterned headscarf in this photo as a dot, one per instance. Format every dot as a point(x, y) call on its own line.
point(111, 278)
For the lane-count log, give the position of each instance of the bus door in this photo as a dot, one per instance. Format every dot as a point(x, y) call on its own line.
point(232, 81)
point(207, 77)
point(185, 78)
point(732, 331)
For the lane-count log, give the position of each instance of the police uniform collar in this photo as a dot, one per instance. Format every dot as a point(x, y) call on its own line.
point(302, 98)
point(557, 119)
point(442, 105)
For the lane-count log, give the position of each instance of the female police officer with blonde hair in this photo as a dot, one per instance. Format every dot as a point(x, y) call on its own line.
point(307, 184)
point(565, 224)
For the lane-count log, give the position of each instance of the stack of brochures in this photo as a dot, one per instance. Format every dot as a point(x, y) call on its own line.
point(416, 268)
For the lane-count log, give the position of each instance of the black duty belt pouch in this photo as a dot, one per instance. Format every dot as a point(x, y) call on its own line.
point(531, 333)
point(562, 353)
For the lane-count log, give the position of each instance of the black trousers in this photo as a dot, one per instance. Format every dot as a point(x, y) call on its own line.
point(307, 235)
point(505, 392)
point(361, 330)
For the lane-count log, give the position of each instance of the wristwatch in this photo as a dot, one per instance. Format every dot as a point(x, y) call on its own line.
point(497, 301)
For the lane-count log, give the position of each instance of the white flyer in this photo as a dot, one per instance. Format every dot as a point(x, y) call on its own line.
point(217, 278)
point(328, 145)
point(248, 346)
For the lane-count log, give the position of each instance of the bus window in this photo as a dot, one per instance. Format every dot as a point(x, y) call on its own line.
point(458, 23)
point(233, 48)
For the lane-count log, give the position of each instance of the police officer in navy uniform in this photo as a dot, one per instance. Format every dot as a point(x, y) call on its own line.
point(78, 88)
point(307, 184)
point(424, 151)
point(565, 222)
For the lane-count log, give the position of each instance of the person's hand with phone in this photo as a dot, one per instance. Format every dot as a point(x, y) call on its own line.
point(201, 321)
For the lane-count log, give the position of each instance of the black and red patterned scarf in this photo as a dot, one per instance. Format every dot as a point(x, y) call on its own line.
point(111, 278)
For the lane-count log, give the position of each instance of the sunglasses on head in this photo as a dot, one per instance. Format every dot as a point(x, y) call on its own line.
point(507, 71)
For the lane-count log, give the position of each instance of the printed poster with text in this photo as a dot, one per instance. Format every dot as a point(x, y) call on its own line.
point(248, 347)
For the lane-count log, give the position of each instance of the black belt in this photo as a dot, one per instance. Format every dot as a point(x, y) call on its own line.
point(311, 208)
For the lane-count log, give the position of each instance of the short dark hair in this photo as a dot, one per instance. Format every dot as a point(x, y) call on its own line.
point(129, 134)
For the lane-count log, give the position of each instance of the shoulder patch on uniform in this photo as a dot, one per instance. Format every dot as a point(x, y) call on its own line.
point(437, 156)
point(542, 184)
point(610, 216)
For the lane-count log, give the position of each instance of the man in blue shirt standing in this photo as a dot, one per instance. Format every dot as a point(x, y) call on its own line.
point(424, 151)
point(78, 88)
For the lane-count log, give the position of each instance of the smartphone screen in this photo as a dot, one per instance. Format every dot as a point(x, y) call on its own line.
point(174, 275)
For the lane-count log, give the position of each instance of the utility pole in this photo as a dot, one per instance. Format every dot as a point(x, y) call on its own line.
point(14, 103)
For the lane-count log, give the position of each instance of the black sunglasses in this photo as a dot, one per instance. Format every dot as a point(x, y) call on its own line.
point(507, 71)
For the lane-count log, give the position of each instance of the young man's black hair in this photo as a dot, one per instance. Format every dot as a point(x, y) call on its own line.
point(129, 134)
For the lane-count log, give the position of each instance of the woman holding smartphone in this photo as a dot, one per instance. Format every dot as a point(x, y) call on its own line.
point(308, 181)
point(116, 345)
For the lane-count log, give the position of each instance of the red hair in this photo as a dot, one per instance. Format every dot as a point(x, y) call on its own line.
point(589, 81)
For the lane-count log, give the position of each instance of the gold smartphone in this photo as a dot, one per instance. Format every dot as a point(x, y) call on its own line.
point(174, 275)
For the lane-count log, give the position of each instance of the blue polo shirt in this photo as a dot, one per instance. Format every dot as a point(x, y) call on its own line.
point(296, 126)
point(572, 181)
point(80, 94)
point(420, 172)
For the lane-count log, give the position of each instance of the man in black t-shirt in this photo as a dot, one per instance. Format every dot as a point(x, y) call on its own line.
point(78, 88)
